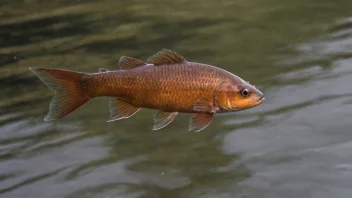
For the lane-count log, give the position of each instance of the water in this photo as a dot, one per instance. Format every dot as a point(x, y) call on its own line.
point(297, 144)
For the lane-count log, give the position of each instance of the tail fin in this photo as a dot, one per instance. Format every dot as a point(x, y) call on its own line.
point(66, 86)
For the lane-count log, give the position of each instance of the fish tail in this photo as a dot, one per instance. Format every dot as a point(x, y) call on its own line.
point(67, 88)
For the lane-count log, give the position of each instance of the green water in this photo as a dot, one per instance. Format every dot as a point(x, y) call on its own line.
point(297, 144)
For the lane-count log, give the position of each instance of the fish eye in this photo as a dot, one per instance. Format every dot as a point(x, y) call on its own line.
point(245, 92)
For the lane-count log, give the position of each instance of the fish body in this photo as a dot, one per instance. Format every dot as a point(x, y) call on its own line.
point(167, 83)
point(170, 88)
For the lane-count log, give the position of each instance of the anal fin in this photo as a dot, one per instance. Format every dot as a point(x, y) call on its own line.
point(121, 110)
point(162, 118)
point(199, 121)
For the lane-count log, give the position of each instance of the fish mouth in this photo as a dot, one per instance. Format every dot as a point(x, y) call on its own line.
point(260, 100)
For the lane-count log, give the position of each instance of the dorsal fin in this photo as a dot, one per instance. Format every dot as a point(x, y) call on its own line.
point(166, 56)
point(126, 62)
point(103, 70)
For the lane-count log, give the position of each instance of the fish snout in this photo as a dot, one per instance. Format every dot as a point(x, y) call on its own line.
point(259, 99)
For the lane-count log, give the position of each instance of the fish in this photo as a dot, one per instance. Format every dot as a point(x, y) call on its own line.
point(166, 83)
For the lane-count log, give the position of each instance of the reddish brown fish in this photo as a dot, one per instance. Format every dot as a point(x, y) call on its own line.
point(167, 83)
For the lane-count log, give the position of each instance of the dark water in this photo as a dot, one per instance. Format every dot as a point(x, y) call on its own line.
point(297, 144)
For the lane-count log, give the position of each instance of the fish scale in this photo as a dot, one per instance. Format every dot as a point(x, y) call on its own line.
point(158, 87)
point(167, 83)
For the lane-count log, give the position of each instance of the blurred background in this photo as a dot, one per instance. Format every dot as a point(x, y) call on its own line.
point(298, 143)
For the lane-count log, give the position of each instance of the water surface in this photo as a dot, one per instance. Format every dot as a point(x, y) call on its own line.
point(297, 144)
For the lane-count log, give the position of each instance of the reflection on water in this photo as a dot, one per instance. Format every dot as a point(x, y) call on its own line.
point(297, 144)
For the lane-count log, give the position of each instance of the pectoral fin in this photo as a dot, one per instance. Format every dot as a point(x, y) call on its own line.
point(121, 110)
point(199, 121)
point(162, 118)
point(203, 107)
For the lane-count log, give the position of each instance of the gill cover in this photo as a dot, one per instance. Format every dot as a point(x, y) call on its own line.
point(223, 95)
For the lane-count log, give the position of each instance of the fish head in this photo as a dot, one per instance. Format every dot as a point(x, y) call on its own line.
point(237, 95)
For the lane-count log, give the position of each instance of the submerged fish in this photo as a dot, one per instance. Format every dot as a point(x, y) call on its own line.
point(167, 83)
